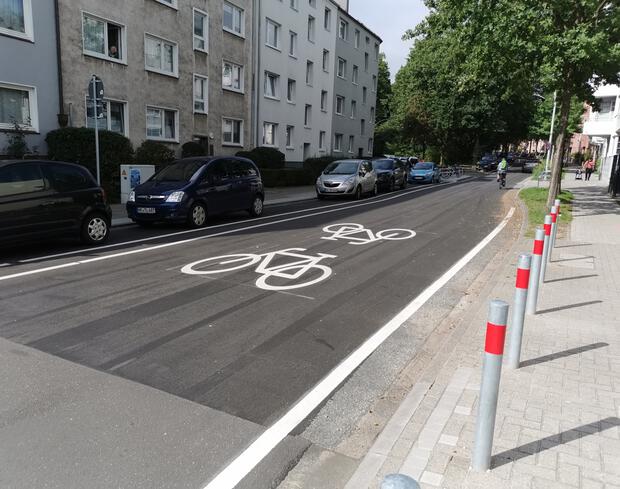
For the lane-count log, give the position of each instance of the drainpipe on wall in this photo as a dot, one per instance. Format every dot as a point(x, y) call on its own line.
point(256, 37)
point(62, 119)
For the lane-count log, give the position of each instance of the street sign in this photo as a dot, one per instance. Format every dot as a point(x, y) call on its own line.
point(95, 88)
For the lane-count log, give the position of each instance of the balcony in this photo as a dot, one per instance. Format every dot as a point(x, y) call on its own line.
point(602, 124)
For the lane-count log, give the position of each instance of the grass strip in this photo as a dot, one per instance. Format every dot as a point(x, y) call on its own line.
point(536, 201)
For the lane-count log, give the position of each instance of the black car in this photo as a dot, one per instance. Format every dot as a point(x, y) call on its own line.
point(488, 163)
point(190, 189)
point(49, 199)
point(391, 173)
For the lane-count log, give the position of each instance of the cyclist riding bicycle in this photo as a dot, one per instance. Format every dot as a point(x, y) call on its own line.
point(502, 168)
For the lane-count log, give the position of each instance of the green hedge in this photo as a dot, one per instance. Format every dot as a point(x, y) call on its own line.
point(265, 158)
point(287, 177)
point(77, 145)
point(315, 166)
point(192, 148)
point(154, 153)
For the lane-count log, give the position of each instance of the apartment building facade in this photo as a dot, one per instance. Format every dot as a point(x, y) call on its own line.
point(356, 65)
point(29, 86)
point(173, 70)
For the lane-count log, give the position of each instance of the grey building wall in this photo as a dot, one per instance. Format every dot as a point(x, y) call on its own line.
point(34, 63)
point(346, 124)
point(131, 83)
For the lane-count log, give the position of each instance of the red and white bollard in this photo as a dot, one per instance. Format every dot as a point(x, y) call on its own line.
point(546, 245)
point(554, 228)
point(489, 387)
point(537, 258)
point(518, 310)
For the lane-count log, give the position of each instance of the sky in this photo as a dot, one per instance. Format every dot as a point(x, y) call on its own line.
point(389, 19)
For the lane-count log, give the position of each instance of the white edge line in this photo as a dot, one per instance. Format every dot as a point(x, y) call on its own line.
point(232, 474)
point(198, 238)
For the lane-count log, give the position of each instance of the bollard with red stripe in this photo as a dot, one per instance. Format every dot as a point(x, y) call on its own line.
point(518, 310)
point(532, 293)
point(554, 229)
point(556, 203)
point(546, 243)
point(489, 387)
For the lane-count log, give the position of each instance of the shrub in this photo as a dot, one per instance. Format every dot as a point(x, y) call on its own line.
point(17, 146)
point(77, 145)
point(265, 158)
point(315, 166)
point(286, 177)
point(154, 153)
point(192, 148)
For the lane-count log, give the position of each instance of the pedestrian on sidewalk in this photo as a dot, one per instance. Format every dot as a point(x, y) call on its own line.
point(589, 168)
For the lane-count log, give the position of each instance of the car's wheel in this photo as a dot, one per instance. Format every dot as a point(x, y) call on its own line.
point(404, 184)
point(320, 196)
point(144, 224)
point(197, 216)
point(358, 192)
point(375, 190)
point(95, 229)
point(257, 207)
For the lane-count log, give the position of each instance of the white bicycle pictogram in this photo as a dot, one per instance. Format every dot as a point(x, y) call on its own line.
point(292, 271)
point(356, 234)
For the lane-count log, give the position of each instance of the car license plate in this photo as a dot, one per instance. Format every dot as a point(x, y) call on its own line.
point(331, 189)
point(145, 210)
point(419, 178)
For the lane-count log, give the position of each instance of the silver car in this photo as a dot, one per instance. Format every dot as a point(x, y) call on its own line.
point(347, 177)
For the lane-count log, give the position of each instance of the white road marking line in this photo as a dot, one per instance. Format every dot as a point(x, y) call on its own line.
point(191, 240)
point(340, 206)
point(232, 474)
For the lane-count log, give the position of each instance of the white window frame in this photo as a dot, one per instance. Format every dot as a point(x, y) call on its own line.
point(355, 75)
point(290, 135)
point(370, 145)
point(322, 137)
point(351, 144)
point(353, 109)
point(342, 106)
point(311, 29)
point(176, 124)
point(276, 86)
point(326, 60)
point(342, 22)
point(308, 119)
point(288, 99)
point(324, 95)
point(277, 31)
point(294, 4)
point(292, 48)
point(240, 143)
point(28, 24)
point(309, 71)
point(205, 38)
point(33, 106)
point(338, 142)
point(327, 19)
point(206, 99)
point(241, 20)
point(241, 77)
point(123, 58)
point(342, 62)
point(175, 56)
point(113, 100)
point(275, 134)
point(356, 40)
point(172, 4)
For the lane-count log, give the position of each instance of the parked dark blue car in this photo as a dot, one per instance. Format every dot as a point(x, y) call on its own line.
point(191, 189)
point(425, 172)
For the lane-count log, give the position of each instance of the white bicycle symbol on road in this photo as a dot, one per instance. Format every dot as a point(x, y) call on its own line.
point(292, 271)
point(356, 234)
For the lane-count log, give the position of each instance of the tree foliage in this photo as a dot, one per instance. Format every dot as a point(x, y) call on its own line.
point(384, 91)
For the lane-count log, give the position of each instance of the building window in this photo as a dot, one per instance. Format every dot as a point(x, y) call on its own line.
point(102, 38)
point(351, 143)
point(339, 105)
point(374, 83)
point(370, 146)
point(338, 142)
point(112, 116)
point(232, 76)
point(161, 56)
point(325, 60)
point(322, 140)
point(294, 4)
point(327, 19)
point(312, 3)
point(308, 115)
point(270, 131)
point(366, 62)
point(162, 124)
point(271, 85)
point(372, 115)
point(367, 40)
point(290, 90)
point(342, 68)
point(355, 75)
point(201, 94)
point(16, 18)
point(364, 95)
point(376, 51)
point(324, 100)
point(168, 3)
point(18, 104)
point(343, 29)
point(363, 126)
point(353, 109)
point(292, 46)
point(309, 72)
point(311, 26)
point(233, 20)
point(232, 132)
point(357, 39)
point(201, 30)
point(273, 34)
point(290, 136)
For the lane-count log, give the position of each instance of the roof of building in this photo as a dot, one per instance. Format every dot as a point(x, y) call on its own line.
point(341, 10)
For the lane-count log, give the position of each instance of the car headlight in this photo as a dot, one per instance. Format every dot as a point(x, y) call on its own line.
point(175, 196)
point(132, 196)
point(318, 181)
point(350, 180)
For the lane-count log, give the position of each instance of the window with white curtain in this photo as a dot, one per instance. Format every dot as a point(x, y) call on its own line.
point(16, 18)
point(232, 76)
point(201, 93)
point(160, 55)
point(322, 140)
point(270, 131)
point(273, 34)
point(233, 19)
point(337, 142)
point(232, 132)
point(292, 46)
point(290, 133)
point(18, 105)
point(103, 38)
point(271, 85)
point(340, 104)
point(161, 124)
point(201, 30)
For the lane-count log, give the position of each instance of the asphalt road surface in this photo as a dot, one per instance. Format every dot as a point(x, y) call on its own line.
point(250, 341)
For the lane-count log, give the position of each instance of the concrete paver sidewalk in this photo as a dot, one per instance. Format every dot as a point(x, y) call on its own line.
point(558, 418)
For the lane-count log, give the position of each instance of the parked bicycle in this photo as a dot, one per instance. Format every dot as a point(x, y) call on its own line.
point(357, 234)
point(293, 271)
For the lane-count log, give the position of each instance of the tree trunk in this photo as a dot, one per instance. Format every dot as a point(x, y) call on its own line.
point(556, 164)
